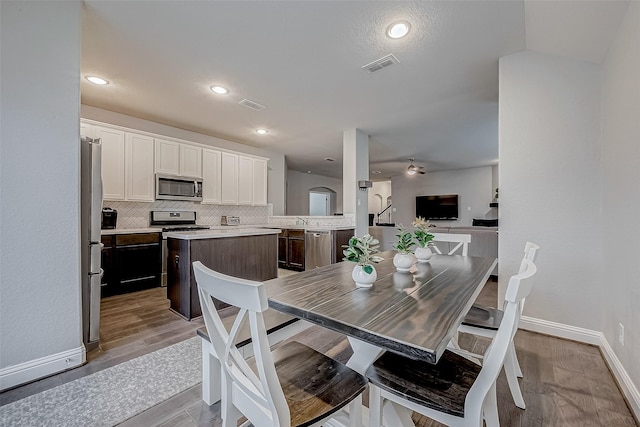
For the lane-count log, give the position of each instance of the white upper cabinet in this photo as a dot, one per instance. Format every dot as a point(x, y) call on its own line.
point(167, 157)
point(113, 154)
point(139, 177)
point(86, 130)
point(211, 176)
point(259, 182)
point(245, 180)
point(190, 161)
point(229, 172)
point(175, 158)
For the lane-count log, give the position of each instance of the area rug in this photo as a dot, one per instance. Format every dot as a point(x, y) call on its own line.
point(112, 395)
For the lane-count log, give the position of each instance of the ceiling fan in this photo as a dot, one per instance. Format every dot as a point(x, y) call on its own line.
point(413, 169)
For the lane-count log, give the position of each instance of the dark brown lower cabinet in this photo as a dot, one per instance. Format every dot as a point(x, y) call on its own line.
point(247, 257)
point(131, 262)
point(291, 249)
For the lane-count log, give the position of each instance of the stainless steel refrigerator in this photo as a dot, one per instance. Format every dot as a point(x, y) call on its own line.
point(90, 223)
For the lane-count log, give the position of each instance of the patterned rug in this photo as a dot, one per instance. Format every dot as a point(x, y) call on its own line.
point(112, 395)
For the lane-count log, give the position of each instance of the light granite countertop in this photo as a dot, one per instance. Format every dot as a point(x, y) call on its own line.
point(221, 233)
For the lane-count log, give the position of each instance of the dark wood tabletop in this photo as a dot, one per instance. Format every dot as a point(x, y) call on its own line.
point(415, 313)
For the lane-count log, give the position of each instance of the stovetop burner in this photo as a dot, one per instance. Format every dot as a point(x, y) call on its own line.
point(185, 228)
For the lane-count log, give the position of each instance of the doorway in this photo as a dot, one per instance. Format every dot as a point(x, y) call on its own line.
point(322, 201)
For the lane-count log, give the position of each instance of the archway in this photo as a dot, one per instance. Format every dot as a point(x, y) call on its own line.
point(322, 201)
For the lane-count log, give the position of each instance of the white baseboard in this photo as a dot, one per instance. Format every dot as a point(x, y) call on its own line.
point(12, 376)
point(589, 336)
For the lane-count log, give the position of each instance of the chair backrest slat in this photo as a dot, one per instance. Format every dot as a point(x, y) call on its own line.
point(462, 241)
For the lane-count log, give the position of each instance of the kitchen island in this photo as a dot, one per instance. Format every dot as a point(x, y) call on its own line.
point(249, 253)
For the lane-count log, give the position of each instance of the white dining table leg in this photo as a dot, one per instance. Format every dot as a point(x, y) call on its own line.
point(364, 354)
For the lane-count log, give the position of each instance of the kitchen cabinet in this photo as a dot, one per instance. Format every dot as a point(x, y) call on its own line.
point(229, 172)
point(250, 257)
point(131, 262)
point(245, 180)
point(139, 177)
point(291, 249)
point(211, 176)
point(113, 163)
point(259, 182)
point(190, 161)
point(107, 264)
point(175, 158)
point(167, 157)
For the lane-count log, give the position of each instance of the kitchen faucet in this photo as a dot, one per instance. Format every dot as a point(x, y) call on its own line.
point(304, 221)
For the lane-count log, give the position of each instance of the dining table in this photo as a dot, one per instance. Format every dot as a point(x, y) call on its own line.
point(414, 313)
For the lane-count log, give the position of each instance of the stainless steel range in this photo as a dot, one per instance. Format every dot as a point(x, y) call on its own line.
point(173, 221)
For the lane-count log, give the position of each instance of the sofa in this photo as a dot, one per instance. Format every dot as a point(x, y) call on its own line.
point(484, 240)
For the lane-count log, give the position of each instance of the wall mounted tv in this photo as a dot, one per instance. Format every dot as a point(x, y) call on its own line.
point(437, 207)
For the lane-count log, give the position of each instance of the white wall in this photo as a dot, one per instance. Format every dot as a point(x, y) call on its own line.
point(298, 186)
point(550, 183)
point(39, 187)
point(277, 167)
point(473, 186)
point(621, 191)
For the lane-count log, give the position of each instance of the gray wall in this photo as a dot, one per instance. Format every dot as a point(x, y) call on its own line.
point(39, 185)
point(277, 167)
point(621, 196)
point(473, 187)
point(298, 186)
point(551, 184)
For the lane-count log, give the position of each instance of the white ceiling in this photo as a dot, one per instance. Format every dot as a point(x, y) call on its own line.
point(303, 60)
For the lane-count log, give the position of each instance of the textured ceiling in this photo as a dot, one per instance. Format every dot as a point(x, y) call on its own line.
point(303, 60)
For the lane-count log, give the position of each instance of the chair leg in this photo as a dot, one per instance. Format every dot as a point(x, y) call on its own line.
point(375, 406)
point(512, 349)
point(510, 363)
point(490, 408)
point(229, 413)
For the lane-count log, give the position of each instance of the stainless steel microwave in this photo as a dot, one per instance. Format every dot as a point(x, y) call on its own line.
point(170, 187)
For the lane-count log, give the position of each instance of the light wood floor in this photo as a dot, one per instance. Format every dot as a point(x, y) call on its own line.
point(565, 383)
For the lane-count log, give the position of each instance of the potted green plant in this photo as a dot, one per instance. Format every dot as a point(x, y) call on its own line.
point(403, 260)
point(363, 250)
point(423, 238)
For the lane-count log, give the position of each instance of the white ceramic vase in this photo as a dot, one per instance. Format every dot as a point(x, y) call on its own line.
point(423, 254)
point(362, 278)
point(403, 262)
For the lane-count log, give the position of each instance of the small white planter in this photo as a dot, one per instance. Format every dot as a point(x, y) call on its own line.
point(362, 278)
point(423, 254)
point(403, 262)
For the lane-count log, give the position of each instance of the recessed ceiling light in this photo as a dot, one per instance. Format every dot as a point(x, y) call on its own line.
point(262, 131)
point(398, 29)
point(219, 90)
point(308, 171)
point(376, 172)
point(97, 80)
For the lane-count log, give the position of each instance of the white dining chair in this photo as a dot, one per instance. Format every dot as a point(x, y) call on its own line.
point(293, 385)
point(485, 321)
point(460, 240)
point(455, 391)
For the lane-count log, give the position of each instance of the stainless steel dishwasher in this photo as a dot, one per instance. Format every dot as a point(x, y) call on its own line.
point(318, 248)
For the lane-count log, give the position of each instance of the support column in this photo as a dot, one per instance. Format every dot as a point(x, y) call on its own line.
point(355, 167)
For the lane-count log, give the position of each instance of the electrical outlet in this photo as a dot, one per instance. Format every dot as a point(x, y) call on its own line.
point(621, 333)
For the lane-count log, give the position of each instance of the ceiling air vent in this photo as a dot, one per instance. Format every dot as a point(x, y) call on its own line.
point(251, 104)
point(381, 63)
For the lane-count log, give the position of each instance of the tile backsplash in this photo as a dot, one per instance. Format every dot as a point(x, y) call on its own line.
point(136, 214)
